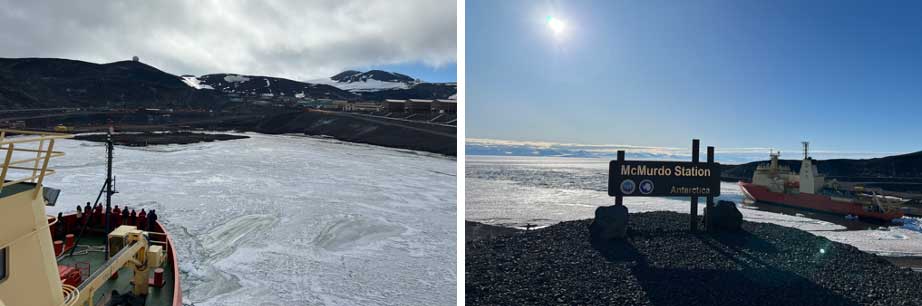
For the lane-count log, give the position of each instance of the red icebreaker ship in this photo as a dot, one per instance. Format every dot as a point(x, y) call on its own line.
point(809, 190)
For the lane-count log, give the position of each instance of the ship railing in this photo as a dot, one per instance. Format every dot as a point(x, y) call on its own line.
point(34, 150)
point(71, 294)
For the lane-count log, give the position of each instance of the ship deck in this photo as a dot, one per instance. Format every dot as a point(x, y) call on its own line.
point(96, 259)
point(89, 254)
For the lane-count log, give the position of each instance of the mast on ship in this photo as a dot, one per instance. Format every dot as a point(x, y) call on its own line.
point(810, 180)
point(109, 192)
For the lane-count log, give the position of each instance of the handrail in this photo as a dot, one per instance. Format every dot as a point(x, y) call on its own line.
point(71, 294)
point(39, 164)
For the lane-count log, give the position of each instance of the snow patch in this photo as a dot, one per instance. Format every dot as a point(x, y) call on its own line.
point(232, 78)
point(194, 82)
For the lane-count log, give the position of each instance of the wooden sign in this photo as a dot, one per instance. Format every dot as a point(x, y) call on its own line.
point(663, 179)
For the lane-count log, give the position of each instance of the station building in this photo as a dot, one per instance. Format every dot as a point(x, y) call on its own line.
point(362, 107)
point(418, 106)
point(394, 106)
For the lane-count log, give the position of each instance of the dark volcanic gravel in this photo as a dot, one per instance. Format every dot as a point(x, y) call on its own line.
point(146, 139)
point(661, 263)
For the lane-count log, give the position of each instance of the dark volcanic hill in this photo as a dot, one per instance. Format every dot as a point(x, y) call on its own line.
point(49, 82)
point(251, 84)
point(417, 91)
point(899, 166)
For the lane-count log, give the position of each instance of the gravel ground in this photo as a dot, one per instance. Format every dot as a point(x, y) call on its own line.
point(661, 263)
point(477, 230)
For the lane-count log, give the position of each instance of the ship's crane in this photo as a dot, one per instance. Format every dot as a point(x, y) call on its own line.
point(132, 249)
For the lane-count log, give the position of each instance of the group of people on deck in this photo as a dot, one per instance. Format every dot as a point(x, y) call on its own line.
point(94, 217)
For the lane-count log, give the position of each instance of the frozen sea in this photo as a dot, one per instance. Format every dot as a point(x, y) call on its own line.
point(515, 191)
point(285, 219)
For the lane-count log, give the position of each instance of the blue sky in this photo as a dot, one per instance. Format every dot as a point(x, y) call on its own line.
point(845, 75)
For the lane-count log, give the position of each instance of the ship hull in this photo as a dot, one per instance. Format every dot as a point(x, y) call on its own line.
point(814, 202)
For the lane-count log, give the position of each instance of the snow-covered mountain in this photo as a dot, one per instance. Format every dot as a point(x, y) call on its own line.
point(378, 85)
point(372, 80)
point(265, 86)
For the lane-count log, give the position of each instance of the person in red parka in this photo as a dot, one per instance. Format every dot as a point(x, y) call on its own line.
point(100, 217)
point(87, 215)
point(133, 218)
point(116, 217)
point(125, 216)
point(142, 220)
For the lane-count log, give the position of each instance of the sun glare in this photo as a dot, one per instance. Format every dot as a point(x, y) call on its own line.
point(556, 25)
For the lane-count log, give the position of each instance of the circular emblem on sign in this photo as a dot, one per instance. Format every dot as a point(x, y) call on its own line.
point(628, 186)
point(646, 186)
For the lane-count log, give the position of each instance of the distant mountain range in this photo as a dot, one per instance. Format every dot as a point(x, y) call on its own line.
point(50, 82)
point(897, 166)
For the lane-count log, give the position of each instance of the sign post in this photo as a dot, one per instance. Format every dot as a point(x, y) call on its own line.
point(693, 215)
point(666, 179)
point(710, 199)
point(619, 200)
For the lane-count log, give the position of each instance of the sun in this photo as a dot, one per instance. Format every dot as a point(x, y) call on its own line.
point(556, 25)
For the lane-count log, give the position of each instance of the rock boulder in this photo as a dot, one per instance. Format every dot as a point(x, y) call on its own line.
point(610, 222)
point(724, 216)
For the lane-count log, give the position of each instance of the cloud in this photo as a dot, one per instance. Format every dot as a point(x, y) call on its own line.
point(296, 39)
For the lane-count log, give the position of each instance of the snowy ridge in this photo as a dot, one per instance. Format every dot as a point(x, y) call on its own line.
point(363, 86)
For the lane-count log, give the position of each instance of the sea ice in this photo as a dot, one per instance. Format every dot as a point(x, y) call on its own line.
point(287, 219)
